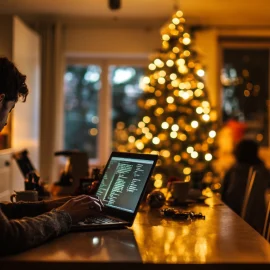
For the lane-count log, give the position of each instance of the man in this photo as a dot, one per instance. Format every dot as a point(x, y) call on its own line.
point(25, 225)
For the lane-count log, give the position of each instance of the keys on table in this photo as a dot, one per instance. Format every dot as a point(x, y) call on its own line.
point(180, 215)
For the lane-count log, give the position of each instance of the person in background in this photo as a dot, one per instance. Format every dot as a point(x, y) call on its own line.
point(24, 225)
point(236, 179)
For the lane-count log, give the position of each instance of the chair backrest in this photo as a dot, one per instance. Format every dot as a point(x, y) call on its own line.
point(250, 182)
point(266, 227)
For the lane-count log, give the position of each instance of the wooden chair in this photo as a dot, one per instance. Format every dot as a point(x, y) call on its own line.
point(250, 181)
point(266, 227)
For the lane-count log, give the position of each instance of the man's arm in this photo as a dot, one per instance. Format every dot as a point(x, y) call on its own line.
point(19, 235)
point(30, 209)
point(22, 209)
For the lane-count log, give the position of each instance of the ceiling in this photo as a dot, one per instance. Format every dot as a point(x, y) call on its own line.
point(205, 12)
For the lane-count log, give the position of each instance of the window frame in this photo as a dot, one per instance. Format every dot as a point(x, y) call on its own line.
point(105, 98)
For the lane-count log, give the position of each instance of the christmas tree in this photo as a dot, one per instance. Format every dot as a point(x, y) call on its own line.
point(176, 121)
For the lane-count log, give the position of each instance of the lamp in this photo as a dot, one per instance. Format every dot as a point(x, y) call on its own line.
point(114, 4)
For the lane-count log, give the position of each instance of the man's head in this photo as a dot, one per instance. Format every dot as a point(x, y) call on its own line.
point(12, 88)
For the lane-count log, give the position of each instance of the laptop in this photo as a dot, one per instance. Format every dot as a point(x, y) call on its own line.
point(121, 190)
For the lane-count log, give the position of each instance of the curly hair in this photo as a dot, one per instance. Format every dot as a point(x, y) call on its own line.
point(12, 82)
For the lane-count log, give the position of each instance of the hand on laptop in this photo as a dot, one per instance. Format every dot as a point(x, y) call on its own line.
point(81, 207)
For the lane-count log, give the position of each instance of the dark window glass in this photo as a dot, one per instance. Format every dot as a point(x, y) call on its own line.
point(245, 82)
point(82, 85)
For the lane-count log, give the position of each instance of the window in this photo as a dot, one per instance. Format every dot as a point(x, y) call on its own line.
point(245, 88)
point(100, 99)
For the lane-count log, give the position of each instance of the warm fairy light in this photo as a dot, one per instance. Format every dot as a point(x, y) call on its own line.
point(139, 144)
point(158, 93)
point(183, 69)
point(152, 66)
point(141, 124)
point(200, 72)
point(146, 119)
point(151, 102)
point(172, 26)
point(161, 80)
point(145, 130)
point(200, 85)
point(186, 53)
point(208, 157)
point(158, 183)
point(156, 140)
point(131, 139)
point(259, 137)
point(93, 131)
point(146, 80)
point(176, 93)
point(177, 158)
point(170, 63)
point(188, 85)
point(175, 49)
point(180, 61)
point(158, 176)
point(173, 134)
point(194, 124)
point(120, 125)
point(185, 95)
point(170, 100)
point(162, 73)
point(175, 127)
point(149, 136)
point(198, 92)
point(186, 41)
point(165, 125)
point(199, 110)
point(173, 76)
point(159, 111)
point(190, 149)
point(190, 93)
point(176, 21)
point(170, 120)
point(206, 117)
point(194, 154)
point(206, 110)
point(165, 37)
point(246, 93)
point(212, 134)
point(165, 153)
point(175, 83)
point(187, 171)
point(158, 63)
point(179, 13)
point(182, 85)
point(205, 104)
point(182, 137)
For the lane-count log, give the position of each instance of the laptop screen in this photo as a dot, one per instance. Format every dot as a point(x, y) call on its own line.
point(123, 182)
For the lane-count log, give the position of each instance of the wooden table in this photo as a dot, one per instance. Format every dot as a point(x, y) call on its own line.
point(222, 238)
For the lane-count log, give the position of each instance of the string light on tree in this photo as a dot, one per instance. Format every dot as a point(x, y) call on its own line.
point(178, 122)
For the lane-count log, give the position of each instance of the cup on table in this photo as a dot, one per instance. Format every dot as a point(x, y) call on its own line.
point(179, 190)
point(25, 195)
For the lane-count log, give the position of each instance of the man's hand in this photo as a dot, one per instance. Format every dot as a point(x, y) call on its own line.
point(81, 207)
point(52, 204)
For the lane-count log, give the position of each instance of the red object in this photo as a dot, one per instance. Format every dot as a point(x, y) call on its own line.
point(238, 129)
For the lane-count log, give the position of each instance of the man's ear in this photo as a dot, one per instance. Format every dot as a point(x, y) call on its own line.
point(2, 97)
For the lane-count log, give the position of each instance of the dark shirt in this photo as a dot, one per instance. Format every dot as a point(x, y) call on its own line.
point(234, 188)
point(24, 225)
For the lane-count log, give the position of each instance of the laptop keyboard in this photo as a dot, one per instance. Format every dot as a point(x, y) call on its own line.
point(100, 220)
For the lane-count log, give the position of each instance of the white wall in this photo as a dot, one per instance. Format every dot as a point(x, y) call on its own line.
point(124, 41)
point(26, 116)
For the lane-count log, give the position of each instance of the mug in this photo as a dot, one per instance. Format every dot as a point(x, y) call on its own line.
point(179, 190)
point(25, 195)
